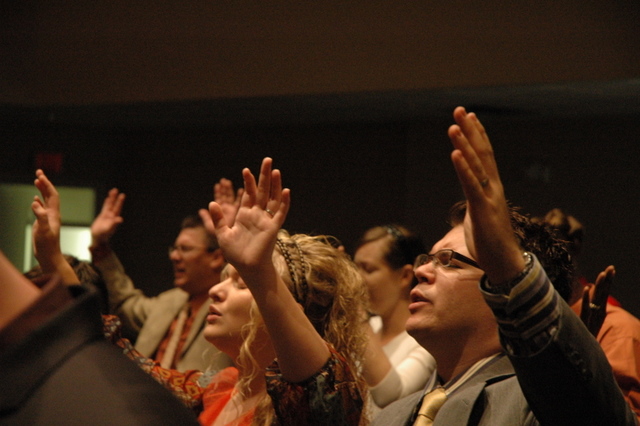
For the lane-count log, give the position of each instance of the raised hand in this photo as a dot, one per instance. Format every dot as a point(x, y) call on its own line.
point(46, 228)
point(594, 300)
point(46, 231)
point(248, 242)
point(229, 201)
point(488, 232)
point(107, 221)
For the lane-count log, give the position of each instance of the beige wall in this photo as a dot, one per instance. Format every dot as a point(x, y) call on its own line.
point(85, 52)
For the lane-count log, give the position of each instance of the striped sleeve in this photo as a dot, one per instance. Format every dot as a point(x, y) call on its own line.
point(528, 315)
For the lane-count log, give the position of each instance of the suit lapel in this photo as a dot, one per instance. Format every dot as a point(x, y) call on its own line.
point(460, 404)
point(159, 321)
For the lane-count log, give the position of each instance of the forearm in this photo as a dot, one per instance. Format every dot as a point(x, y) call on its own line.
point(16, 292)
point(575, 368)
point(300, 350)
point(527, 312)
point(57, 264)
point(550, 348)
point(407, 377)
point(376, 364)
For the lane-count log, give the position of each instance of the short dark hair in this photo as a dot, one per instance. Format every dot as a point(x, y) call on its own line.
point(195, 221)
point(538, 239)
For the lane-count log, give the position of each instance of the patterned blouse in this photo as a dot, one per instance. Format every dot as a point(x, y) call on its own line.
point(330, 397)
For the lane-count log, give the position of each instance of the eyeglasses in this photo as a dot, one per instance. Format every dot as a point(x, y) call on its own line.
point(182, 249)
point(443, 258)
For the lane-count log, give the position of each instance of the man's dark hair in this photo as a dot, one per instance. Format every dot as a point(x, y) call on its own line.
point(538, 239)
point(195, 221)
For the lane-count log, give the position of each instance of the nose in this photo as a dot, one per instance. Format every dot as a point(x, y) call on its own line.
point(425, 273)
point(174, 255)
point(217, 291)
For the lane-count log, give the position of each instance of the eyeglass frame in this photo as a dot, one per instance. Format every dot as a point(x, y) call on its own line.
point(181, 249)
point(432, 257)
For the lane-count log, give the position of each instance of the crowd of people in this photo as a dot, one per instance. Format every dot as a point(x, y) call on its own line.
point(493, 325)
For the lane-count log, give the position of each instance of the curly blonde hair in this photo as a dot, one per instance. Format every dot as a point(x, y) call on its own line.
point(330, 289)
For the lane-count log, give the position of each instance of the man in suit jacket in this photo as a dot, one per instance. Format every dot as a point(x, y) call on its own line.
point(153, 321)
point(510, 352)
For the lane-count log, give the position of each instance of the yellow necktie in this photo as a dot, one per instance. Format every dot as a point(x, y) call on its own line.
point(431, 403)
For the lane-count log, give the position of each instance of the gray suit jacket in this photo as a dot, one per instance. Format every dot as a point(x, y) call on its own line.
point(151, 317)
point(568, 383)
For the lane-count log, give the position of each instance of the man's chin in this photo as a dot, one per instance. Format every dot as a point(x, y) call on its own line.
point(416, 325)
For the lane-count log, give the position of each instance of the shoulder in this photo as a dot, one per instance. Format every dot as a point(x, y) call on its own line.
point(223, 380)
point(173, 296)
point(619, 324)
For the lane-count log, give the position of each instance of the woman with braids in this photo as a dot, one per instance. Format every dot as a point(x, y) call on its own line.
point(288, 312)
point(395, 364)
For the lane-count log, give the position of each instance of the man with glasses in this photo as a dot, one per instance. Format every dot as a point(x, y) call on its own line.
point(167, 328)
point(509, 350)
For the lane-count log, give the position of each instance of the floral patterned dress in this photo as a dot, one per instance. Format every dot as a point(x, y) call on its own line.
point(330, 397)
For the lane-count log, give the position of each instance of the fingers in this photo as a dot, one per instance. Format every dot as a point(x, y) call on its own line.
point(223, 192)
point(48, 190)
point(267, 193)
point(283, 209)
point(207, 217)
point(113, 202)
point(275, 192)
point(470, 184)
point(264, 183)
point(250, 189)
point(602, 287)
point(476, 136)
point(585, 312)
point(39, 210)
point(238, 196)
point(472, 144)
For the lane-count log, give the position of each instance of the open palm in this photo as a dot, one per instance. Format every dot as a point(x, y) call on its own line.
point(248, 242)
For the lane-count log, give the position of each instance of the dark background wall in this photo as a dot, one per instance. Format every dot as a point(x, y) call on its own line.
point(351, 100)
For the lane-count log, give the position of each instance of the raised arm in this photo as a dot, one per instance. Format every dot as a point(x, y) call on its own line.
point(488, 232)
point(46, 231)
point(16, 292)
point(547, 344)
point(248, 245)
point(108, 220)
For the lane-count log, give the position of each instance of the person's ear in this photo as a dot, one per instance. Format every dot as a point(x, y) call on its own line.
point(406, 276)
point(217, 259)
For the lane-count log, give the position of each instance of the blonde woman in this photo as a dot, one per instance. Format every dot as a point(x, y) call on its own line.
point(287, 312)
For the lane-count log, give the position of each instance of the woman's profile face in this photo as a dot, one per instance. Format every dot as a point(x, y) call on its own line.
point(228, 312)
point(382, 280)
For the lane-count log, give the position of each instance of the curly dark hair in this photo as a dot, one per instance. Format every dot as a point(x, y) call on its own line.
point(538, 239)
